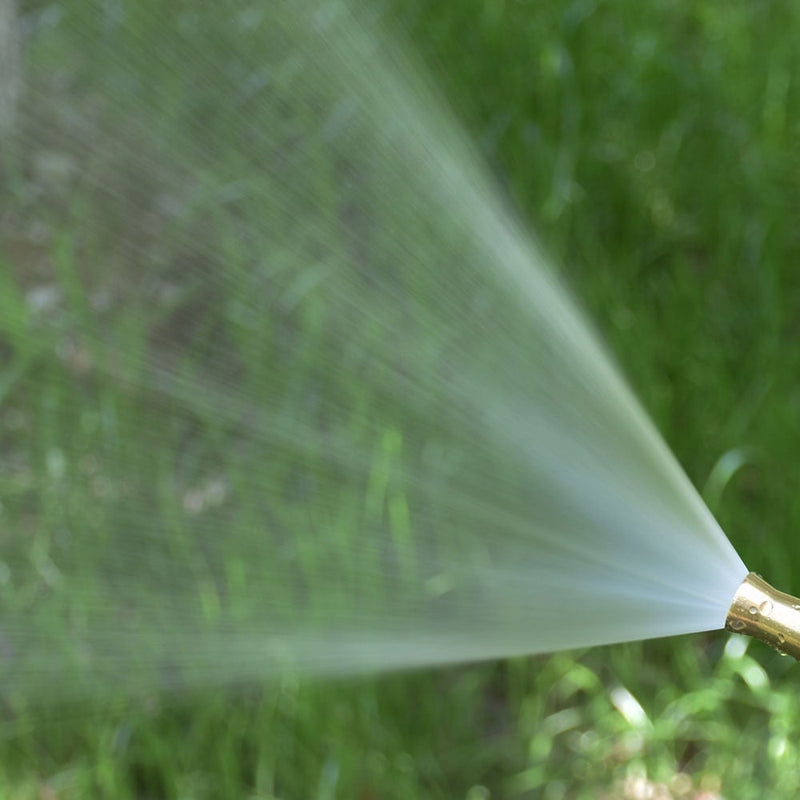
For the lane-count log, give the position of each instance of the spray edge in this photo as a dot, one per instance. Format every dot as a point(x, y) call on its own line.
point(761, 611)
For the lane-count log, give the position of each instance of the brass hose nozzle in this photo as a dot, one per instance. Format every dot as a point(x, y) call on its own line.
point(760, 611)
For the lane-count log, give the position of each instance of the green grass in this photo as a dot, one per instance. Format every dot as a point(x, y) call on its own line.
point(652, 147)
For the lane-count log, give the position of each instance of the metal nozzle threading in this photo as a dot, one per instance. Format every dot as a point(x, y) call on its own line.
point(764, 613)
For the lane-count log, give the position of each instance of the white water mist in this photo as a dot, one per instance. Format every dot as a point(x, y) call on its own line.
point(327, 407)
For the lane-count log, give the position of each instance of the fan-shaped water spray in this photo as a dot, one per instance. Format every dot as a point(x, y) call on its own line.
point(336, 414)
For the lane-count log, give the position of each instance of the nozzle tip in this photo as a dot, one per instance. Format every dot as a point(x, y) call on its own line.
point(761, 611)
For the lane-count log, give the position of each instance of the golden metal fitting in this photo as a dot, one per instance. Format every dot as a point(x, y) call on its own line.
point(760, 611)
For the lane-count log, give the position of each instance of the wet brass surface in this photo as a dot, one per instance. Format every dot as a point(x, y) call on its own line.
point(761, 611)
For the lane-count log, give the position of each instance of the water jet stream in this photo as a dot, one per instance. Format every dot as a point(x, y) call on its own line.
point(314, 399)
